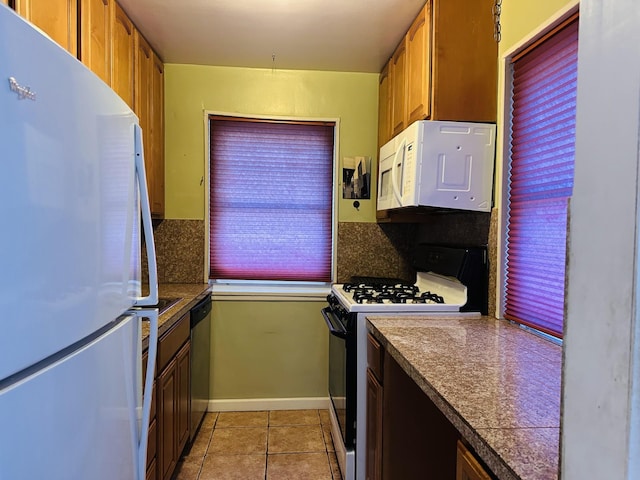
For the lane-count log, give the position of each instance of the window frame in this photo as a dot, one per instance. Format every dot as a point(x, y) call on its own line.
point(269, 289)
point(504, 135)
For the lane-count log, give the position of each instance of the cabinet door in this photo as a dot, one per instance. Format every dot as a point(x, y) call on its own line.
point(419, 442)
point(374, 427)
point(398, 89)
point(142, 94)
point(123, 55)
point(419, 66)
point(156, 170)
point(58, 18)
point(464, 61)
point(151, 471)
point(468, 468)
point(166, 420)
point(4, 2)
point(384, 104)
point(183, 359)
point(96, 19)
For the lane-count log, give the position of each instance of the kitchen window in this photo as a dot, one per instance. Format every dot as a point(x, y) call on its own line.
point(271, 198)
point(540, 182)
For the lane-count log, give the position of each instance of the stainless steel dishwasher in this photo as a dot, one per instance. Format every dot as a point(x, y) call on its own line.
point(200, 362)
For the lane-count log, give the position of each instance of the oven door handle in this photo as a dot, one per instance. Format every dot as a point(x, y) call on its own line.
point(335, 327)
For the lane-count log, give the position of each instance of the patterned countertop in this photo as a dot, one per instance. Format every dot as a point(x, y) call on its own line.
point(187, 295)
point(497, 384)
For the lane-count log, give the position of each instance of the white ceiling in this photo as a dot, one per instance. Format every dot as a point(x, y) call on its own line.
point(337, 35)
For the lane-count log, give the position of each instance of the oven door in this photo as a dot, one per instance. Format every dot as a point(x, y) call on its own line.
point(342, 373)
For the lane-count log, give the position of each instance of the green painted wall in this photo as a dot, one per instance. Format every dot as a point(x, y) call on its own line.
point(519, 21)
point(267, 349)
point(264, 349)
point(520, 18)
point(190, 90)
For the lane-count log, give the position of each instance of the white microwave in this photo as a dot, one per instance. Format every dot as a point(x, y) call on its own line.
point(438, 164)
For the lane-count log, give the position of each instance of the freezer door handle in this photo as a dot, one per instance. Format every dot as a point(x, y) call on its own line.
point(152, 315)
point(152, 298)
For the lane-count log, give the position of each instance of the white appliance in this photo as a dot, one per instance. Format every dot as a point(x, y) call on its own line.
point(449, 280)
point(72, 185)
point(438, 164)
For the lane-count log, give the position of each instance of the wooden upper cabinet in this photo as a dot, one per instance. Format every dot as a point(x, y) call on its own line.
point(4, 2)
point(398, 89)
point(156, 169)
point(446, 66)
point(142, 92)
point(122, 48)
point(418, 67)
point(464, 61)
point(384, 104)
point(57, 18)
point(96, 20)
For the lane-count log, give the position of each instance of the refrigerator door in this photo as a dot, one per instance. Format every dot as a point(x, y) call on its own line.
point(75, 417)
point(70, 251)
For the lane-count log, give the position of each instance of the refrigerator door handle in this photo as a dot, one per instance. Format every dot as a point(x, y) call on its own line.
point(152, 315)
point(152, 298)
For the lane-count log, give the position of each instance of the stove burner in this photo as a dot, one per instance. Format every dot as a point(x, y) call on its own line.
point(397, 293)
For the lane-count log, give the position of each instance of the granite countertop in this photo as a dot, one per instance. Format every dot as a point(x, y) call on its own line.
point(496, 383)
point(189, 294)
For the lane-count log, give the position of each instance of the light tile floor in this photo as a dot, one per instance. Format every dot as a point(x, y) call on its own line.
point(271, 445)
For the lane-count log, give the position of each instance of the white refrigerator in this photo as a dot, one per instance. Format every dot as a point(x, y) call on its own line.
point(73, 204)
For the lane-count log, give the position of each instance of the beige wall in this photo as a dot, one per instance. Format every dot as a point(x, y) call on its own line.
point(190, 90)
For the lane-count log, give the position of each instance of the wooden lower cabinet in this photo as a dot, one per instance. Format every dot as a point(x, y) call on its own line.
point(183, 368)
point(375, 352)
point(166, 414)
point(151, 471)
point(468, 467)
point(152, 432)
point(418, 442)
point(374, 427)
point(173, 412)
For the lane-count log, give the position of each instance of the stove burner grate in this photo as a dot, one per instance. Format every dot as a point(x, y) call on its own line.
point(397, 293)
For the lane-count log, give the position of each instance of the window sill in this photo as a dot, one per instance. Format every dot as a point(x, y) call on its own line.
point(270, 293)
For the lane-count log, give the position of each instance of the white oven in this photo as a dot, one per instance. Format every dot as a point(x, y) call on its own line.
point(452, 280)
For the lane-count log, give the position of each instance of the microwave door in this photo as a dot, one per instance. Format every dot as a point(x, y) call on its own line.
point(396, 179)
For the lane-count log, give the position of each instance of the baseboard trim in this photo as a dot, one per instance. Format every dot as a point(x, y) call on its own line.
point(258, 404)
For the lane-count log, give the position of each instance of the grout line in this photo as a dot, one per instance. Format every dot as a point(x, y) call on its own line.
point(269, 426)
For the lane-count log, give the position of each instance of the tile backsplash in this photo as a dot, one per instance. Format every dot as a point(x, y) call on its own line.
point(179, 251)
point(385, 249)
point(363, 249)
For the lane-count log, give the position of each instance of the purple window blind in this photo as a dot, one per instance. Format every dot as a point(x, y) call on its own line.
point(271, 200)
point(541, 179)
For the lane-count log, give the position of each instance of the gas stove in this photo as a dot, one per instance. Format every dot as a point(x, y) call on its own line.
point(430, 293)
point(449, 280)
